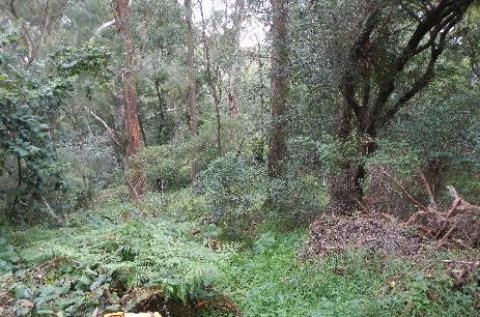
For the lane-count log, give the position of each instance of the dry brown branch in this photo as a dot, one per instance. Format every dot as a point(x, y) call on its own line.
point(402, 188)
point(428, 188)
point(457, 226)
point(445, 237)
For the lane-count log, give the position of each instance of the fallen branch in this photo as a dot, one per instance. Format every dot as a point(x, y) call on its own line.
point(461, 204)
point(445, 237)
point(457, 225)
point(402, 188)
point(428, 188)
point(460, 262)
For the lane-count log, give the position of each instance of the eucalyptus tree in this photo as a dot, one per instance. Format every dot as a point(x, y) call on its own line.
point(277, 154)
point(135, 174)
point(191, 83)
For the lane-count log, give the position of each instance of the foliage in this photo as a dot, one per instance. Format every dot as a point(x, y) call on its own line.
point(87, 68)
point(28, 164)
point(62, 152)
point(236, 191)
point(74, 270)
point(270, 280)
point(166, 167)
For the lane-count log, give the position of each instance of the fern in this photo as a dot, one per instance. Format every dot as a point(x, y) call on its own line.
point(84, 268)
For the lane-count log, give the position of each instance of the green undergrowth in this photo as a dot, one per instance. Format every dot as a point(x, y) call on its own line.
point(110, 259)
point(74, 270)
point(271, 280)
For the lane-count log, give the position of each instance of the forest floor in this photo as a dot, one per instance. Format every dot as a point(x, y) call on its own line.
point(102, 260)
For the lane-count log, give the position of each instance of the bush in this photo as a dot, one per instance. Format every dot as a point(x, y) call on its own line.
point(303, 194)
point(167, 166)
point(236, 191)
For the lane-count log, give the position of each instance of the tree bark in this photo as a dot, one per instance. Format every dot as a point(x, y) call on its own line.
point(277, 156)
point(191, 89)
point(134, 173)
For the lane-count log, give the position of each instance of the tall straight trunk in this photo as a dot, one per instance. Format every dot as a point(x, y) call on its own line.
point(212, 81)
point(134, 173)
point(238, 17)
point(277, 155)
point(191, 94)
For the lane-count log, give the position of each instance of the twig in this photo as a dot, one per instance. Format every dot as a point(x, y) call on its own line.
point(402, 188)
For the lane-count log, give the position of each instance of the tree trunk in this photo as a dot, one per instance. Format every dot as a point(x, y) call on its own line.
point(238, 17)
point(134, 173)
point(277, 156)
point(343, 190)
point(213, 81)
point(191, 94)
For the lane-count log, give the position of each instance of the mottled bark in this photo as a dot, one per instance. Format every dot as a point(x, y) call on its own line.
point(134, 172)
point(191, 91)
point(277, 155)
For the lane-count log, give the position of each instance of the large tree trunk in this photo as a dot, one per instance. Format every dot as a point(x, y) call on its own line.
point(343, 182)
point(191, 94)
point(277, 156)
point(134, 172)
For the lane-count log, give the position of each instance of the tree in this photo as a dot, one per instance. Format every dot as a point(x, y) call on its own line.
point(277, 156)
point(212, 74)
point(237, 18)
point(191, 82)
point(388, 60)
point(36, 20)
point(134, 173)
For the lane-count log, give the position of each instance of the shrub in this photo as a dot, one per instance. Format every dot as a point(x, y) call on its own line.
point(236, 191)
point(167, 166)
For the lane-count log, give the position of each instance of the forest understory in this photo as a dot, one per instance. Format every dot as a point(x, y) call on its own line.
point(235, 158)
point(125, 257)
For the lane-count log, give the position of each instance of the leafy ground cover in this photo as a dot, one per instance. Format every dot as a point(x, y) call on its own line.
point(111, 259)
point(96, 268)
point(271, 280)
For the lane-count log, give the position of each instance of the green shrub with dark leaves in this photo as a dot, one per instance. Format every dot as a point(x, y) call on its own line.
point(237, 191)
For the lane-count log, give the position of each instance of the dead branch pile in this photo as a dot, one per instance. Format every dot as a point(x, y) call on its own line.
point(459, 226)
point(462, 272)
point(378, 233)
